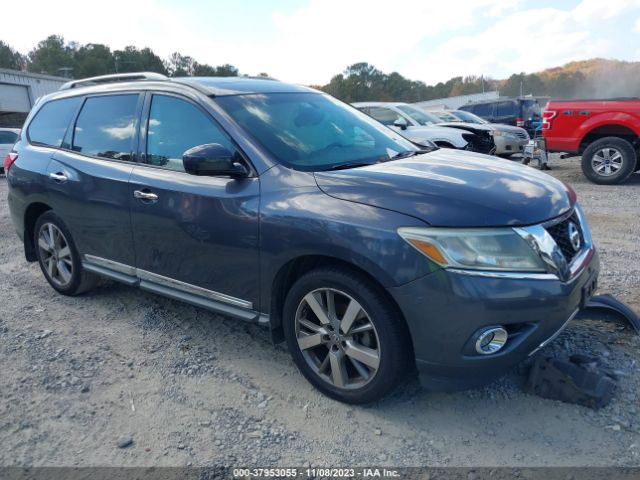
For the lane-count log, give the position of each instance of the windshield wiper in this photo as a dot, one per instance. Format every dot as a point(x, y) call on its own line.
point(344, 166)
point(408, 153)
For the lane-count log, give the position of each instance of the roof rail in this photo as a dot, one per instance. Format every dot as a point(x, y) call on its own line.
point(116, 77)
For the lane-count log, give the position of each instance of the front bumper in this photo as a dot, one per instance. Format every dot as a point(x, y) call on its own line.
point(445, 310)
point(506, 145)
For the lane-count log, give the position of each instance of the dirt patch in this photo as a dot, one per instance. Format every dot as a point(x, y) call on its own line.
point(187, 387)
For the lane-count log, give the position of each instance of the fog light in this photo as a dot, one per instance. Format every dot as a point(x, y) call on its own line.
point(491, 340)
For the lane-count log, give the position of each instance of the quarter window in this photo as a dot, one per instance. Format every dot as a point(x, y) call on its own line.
point(174, 127)
point(106, 126)
point(52, 120)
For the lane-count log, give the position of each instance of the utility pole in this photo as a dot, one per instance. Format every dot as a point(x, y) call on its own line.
point(482, 80)
point(521, 88)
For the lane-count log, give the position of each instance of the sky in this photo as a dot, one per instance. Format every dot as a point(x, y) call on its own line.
point(309, 41)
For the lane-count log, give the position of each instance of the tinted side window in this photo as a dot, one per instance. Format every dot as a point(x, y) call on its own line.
point(106, 127)
point(174, 127)
point(52, 120)
point(506, 109)
point(483, 109)
point(383, 115)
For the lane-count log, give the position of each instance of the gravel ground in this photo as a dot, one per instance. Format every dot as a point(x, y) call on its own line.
point(123, 377)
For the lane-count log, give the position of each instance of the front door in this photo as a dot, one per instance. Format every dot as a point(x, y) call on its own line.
point(192, 231)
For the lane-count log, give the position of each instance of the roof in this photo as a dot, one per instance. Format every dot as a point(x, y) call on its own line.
point(216, 86)
point(221, 86)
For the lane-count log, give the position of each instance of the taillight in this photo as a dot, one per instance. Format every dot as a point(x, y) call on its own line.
point(519, 122)
point(8, 161)
point(547, 116)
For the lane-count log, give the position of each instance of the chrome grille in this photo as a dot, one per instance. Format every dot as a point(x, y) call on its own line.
point(560, 233)
point(523, 135)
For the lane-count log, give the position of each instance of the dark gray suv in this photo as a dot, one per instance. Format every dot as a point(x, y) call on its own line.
point(280, 205)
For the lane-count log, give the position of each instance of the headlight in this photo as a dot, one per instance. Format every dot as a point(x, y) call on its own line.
point(500, 133)
point(474, 248)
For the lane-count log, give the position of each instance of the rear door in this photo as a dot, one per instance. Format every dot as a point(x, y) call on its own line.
point(88, 177)
point(197, 234)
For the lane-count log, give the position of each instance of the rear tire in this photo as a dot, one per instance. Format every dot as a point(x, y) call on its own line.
point(609, 161)
point(58, 256)
point(356, 350)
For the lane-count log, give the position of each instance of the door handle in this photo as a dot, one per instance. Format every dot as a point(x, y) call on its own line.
point(58, 177)
point(148, 196)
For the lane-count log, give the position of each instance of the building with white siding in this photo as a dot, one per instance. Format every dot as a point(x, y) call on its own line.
point(19, 92)
point(454, 103)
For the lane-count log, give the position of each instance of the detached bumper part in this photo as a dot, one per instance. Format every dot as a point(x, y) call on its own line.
point(578, 379)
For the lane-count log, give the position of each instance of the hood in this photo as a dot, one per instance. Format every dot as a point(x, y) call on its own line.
point(472, 127)
point(429, 130)
point(451, 188)
point(508, 128)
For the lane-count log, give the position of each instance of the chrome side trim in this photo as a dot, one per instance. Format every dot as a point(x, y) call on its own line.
point(511, 275)
point(555, 335)
point(166, 281)
point(193, 289)
point(118, 267)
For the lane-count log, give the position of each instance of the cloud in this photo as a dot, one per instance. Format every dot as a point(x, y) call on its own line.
point(527, 40)
point(327, 35)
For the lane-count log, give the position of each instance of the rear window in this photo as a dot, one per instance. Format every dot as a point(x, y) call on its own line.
point(50, 123)
point(106, 126)
point(530, 109)
point(8, 138)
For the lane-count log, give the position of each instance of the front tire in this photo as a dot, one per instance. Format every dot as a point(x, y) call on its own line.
point(345, 336)
point(609, 161)
point(58, 256)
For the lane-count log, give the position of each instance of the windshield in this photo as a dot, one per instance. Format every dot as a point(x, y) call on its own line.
point(446, 117)
point(467, 116)
point(423, 118)
point(8, 137)
point(311, 131)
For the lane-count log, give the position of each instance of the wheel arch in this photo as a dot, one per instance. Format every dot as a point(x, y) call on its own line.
point(31, 215)
point(608, 129)
point(295, 268)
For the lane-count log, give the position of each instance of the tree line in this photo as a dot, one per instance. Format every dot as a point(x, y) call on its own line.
point(55, 56)
point(594, 78)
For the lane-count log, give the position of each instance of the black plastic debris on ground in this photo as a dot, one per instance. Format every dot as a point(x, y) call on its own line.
point(579, 379)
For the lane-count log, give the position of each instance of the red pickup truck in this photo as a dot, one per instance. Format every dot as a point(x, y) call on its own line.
point(605, 132)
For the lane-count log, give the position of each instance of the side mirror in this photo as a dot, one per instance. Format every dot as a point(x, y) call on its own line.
point(212, 159)
point(401, 123)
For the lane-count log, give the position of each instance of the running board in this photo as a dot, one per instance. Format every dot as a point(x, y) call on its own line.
point(167, 287)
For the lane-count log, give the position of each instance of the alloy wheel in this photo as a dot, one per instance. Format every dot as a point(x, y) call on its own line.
point(337, 338)
point(607, 161)
point(55, 254)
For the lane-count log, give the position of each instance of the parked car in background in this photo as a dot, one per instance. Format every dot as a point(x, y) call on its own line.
point(520, 111)
point(279, 205)
point(605, 132)
point(8, 136)
point(416, 124)
point(508, 139)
